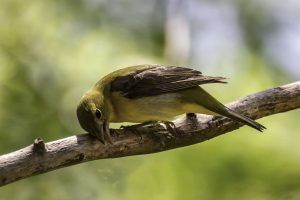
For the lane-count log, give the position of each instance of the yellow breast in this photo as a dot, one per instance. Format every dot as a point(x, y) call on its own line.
point(153, 108)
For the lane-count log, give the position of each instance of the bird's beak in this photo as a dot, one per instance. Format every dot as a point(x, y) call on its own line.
point(103, 133)
point(107, 132)
point(99, 132)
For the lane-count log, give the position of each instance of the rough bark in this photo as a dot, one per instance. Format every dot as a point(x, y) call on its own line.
point(42, 157)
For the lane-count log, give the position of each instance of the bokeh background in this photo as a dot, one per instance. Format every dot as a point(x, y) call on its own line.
point(53, 51)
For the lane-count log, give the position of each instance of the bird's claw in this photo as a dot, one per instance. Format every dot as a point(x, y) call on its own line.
point(135, 126)
point(171, 127)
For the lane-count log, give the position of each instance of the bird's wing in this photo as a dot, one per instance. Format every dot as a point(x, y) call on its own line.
point(157, 79)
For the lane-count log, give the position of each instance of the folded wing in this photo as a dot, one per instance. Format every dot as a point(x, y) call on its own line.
point(157, 79)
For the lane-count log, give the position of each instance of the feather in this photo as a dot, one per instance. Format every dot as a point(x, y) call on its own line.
point(157, 79)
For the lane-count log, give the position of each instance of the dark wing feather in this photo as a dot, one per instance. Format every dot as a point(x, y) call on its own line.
point(157, 79)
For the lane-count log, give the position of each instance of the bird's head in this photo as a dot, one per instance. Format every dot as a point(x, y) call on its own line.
point(90, 112)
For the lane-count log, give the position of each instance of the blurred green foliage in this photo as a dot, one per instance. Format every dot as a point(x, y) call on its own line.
point(53, 51)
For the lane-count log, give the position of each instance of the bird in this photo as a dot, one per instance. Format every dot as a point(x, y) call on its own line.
point(149, 93)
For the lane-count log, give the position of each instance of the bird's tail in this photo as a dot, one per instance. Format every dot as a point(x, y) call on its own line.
point(243, 119)
point(214, 105)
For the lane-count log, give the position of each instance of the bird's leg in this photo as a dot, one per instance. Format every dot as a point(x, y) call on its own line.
point(107, 132)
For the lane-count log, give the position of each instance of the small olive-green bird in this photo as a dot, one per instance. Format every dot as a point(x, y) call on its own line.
point(147, 93)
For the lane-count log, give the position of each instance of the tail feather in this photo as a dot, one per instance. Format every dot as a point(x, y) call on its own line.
point(206, 100)
point(243, 119)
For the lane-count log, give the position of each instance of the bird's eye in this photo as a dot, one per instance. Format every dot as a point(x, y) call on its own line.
point(98, 113)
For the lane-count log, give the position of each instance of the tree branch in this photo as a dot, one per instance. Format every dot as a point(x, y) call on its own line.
point(40, 157)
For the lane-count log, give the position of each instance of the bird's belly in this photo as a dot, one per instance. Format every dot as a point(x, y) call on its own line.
point(153, 108)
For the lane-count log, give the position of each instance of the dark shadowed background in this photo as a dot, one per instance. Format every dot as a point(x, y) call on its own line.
point(51, 52)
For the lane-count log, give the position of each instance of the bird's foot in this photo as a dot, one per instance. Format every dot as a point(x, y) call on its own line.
point(169, 132)
point(171, 128)
point(135, 126)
